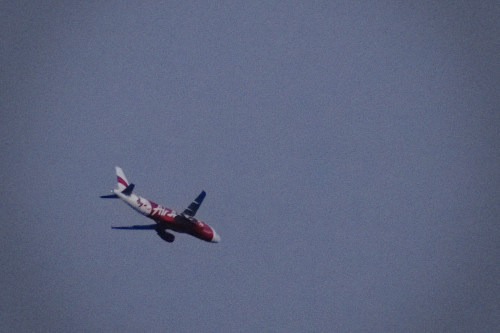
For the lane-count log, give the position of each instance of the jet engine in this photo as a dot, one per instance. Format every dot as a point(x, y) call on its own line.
point(166, 236)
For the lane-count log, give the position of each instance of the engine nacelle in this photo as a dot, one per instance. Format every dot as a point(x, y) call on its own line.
point(166, 236)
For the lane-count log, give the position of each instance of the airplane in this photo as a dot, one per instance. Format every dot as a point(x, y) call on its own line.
point(165, 218)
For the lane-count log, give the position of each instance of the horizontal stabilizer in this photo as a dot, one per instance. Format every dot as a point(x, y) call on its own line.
point(138, 227)
point(111, 196)
point(128, 190)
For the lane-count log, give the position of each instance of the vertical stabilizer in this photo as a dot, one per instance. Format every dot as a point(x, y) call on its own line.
point(122, 180)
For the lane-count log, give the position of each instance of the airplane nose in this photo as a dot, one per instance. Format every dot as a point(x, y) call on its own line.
point(215, 238)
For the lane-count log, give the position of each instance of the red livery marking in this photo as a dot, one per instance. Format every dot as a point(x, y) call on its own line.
point(159, 210)
point(121, 181)
point(203, 231)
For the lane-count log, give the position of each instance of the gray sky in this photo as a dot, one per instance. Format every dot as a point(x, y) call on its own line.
point(350, 152)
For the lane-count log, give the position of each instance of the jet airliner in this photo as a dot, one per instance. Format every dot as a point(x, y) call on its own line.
point(165, 218)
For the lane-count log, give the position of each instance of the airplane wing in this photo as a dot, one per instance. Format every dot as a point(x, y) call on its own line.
point(166, 236)
point(193, 207)
point(138, 227)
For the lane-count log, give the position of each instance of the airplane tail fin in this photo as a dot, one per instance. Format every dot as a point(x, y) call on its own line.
point(127, 191)
point(122, 180)
point(123, 185)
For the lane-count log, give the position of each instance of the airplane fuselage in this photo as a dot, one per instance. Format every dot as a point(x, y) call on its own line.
point(169, 219)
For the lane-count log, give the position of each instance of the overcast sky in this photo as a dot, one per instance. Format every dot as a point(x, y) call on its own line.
point(349, 150)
